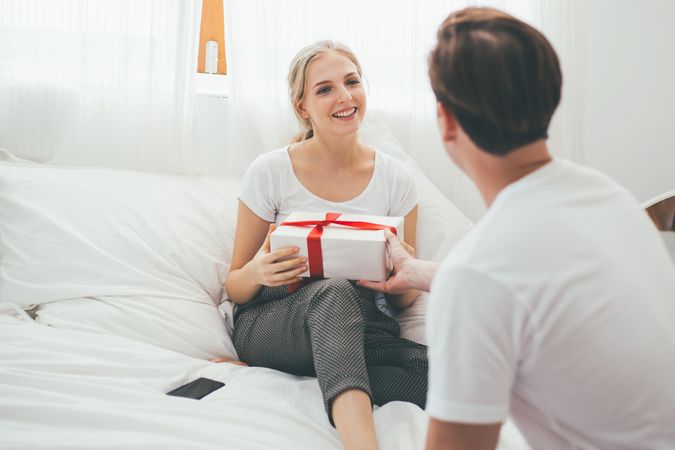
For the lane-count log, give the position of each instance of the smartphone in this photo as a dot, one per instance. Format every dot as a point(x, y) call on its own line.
point(197, 389)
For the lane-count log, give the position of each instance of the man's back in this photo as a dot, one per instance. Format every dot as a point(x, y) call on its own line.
point(561, 309)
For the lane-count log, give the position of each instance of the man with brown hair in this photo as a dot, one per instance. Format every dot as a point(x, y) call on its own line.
point(557, 308)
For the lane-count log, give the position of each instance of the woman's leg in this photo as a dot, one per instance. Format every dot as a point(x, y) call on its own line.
point(353, 418)
point(336, 323)
point(270, 332)
point(317, 330)
point(397, 369)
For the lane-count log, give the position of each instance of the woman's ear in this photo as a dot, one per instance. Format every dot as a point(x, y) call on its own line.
point(301, 110)
point(447, 123)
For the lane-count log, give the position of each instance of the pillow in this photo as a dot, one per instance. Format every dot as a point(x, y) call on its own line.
point(669, 240)
point(139, 255)
point(440, 224)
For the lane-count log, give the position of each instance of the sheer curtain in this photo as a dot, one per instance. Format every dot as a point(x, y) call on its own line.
point(111, 83)
point(392, 39)
point(98, 82)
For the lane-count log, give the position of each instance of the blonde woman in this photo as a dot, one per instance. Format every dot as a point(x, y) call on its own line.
point(331, 329)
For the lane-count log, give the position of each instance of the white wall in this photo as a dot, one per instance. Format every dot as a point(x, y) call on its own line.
point(628, 95)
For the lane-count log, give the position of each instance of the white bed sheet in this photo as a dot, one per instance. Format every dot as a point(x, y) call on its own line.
point(80, 390)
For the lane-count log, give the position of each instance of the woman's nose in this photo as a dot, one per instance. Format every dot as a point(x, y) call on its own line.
point(344, 94)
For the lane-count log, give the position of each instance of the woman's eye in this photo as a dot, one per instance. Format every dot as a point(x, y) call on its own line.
point(323, 90)
point(353, 81)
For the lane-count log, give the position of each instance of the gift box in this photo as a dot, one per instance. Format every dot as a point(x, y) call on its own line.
point(337, 245)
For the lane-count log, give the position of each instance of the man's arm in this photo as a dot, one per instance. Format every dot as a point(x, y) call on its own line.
point(461, 436)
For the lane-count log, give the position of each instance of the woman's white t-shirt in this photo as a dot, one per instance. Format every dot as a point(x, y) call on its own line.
point(272, 191)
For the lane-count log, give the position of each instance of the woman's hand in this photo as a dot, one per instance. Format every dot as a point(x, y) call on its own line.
point(276, 268)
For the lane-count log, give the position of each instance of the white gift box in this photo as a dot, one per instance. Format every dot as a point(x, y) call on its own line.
point(346, 252)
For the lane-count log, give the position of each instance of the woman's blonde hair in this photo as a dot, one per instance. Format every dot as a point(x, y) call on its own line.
point(297, 76)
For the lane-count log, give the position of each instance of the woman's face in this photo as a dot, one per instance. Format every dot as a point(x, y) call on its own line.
point(334, 101)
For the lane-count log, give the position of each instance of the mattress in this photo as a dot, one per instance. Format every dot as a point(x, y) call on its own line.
point(78, 390)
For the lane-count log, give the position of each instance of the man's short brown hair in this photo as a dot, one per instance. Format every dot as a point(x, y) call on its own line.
point(499, 77)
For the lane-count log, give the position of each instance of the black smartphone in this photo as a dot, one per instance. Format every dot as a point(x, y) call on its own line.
point(197, 389)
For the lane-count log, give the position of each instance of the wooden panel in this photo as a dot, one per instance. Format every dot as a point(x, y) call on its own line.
point(212, 29)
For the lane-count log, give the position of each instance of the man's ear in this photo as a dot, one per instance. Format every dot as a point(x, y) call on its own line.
point(447, 122)
point(301, 110)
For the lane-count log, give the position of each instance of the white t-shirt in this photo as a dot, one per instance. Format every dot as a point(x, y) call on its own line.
point(558, 308)
point(272, 191)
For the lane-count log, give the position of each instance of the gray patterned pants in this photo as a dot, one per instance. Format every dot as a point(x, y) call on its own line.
point(333, 330)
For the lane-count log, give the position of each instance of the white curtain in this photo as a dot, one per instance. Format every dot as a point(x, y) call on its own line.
point(392, 38)
point(98, 82)
point(111, 82)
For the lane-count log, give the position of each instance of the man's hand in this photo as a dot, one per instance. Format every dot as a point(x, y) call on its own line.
point(409, 273)
point(402, 257)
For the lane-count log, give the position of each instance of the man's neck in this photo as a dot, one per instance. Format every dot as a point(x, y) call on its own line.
point(493, 173)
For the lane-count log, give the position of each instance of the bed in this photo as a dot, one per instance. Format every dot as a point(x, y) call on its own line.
point(111, 295)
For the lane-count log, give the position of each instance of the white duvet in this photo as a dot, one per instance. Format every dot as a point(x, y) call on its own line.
point(78, 390)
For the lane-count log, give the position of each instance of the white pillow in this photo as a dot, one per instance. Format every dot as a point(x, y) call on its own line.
point(669, 240)
point(440, 224)
point(134, 254)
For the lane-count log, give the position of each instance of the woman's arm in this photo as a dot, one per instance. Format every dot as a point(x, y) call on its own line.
point(252, 263)
point(405, 299)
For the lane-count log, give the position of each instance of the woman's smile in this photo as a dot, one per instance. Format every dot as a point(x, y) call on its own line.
point(346, 114)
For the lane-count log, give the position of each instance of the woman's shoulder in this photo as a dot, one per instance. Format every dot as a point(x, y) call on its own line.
point(266, 168)
point(276, 156)
point(397, 183)
point(270, 161)
point(391, 165)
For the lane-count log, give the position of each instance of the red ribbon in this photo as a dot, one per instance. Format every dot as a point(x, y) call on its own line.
point(314, 253)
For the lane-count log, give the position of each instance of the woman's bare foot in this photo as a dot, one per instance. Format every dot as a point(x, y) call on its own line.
point(229, 360)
